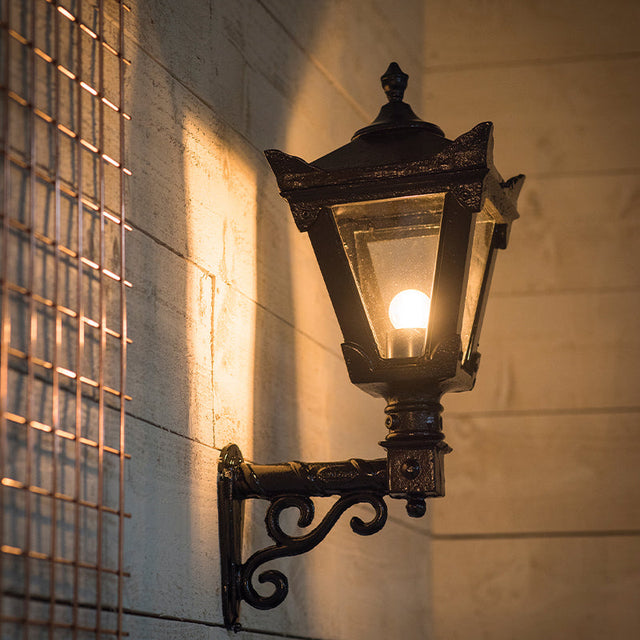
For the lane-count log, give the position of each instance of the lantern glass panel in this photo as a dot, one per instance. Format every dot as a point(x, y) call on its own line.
point(392, 246)
point(481, 247)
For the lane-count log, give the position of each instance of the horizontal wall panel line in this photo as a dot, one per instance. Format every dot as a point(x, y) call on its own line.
point(604, 172)
point(168, 247)
point(151, 423)
point(584, 173)
point(198, 97)
point(595, 291)
point(357, 107)
point(535, 413)
point(528, 535)
point(207, 623)
point(231, 285)
point(533, 62)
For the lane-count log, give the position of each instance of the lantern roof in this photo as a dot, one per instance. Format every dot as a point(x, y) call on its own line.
point(379, 174)
point(397, 155)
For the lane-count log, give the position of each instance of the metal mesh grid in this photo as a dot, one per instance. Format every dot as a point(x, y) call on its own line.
point(63, 336)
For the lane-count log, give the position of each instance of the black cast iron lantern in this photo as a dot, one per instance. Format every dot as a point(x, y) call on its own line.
point(405, 225)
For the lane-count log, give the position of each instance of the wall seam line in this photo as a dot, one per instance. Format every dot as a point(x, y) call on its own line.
point(233, 286)
point(462, 537)
point(534, 413)
point(219, 625)
point(321, 68)
point(533, 62)
point(567, 292)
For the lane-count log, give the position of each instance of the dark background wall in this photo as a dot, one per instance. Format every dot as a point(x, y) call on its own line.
point(538, 535)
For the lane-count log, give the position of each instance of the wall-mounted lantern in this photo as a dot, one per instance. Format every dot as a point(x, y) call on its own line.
point(405, 226)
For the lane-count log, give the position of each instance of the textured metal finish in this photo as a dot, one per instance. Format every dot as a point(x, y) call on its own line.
point(389, 166)
point(230, 521)
point(415, 449)
point(310, 479)
point(396, 160)
point(396, 115)
point(394, 82)
point(286, 545)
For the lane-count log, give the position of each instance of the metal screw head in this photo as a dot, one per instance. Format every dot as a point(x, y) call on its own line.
point(410, 469)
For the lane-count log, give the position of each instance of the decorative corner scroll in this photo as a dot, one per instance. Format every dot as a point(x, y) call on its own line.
point(287, 168)
point(473, 148)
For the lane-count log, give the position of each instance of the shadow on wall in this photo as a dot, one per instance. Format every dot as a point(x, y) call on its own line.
point(196, 203)
point(212, 85)
point(166, 437)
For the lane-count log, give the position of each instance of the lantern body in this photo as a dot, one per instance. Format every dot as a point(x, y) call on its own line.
point(430, 221)
point(405, 226)
point(391, 246)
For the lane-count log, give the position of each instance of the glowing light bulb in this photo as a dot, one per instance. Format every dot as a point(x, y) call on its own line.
point(409, 309)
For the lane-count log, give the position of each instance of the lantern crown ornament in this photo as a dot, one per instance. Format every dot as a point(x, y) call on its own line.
point(406, 226)
point(396, 114)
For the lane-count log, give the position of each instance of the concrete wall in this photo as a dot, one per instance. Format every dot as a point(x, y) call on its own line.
point(234, 339)
point(538, 536)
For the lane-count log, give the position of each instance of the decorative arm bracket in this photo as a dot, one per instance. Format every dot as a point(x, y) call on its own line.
point(286, 485)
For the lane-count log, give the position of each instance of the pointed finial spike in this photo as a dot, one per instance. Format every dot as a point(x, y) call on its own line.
point(394, 82)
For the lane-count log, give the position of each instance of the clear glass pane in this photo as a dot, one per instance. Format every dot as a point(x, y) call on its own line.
point(482, 235)
point(392, 247)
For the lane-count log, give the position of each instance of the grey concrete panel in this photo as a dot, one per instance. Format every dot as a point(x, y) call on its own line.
point(537, 588)
point(550, 352)
point(570, 117)
point(500, 32)
point(574, 234)
point(170, 358)
point(538, 473)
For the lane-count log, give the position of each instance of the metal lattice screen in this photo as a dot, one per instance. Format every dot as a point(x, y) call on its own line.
point(63, 318)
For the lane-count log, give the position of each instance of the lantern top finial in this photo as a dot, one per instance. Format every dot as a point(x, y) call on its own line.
point(394, 82)
point(397, 115)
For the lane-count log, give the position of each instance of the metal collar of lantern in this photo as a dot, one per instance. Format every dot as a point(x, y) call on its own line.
point(405, 225)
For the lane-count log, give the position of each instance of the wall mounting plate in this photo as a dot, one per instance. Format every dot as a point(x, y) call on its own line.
point(230, 521)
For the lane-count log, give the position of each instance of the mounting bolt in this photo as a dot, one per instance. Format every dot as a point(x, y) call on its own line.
point(410, 468)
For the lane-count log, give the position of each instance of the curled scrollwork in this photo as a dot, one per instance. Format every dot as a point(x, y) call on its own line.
point(287, 545)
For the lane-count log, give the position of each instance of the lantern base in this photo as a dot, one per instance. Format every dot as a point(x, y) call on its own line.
point(415, 451)
point(413, 470)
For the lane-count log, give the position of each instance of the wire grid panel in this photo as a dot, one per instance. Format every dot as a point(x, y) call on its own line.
point(63, 323)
